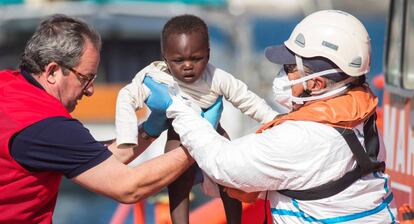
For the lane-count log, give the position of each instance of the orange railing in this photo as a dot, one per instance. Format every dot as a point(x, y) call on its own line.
point(100, 107)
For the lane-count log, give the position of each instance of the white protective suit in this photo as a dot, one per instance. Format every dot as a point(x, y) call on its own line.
point(213, 83)
point(295, 155)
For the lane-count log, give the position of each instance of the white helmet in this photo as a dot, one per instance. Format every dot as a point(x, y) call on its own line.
point(332, 34)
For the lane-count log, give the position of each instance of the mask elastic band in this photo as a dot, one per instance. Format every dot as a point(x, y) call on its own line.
point(335, 92)
point(314, 75)
point(335, 86)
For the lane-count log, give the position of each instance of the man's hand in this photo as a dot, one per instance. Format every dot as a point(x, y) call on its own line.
point(158, 102)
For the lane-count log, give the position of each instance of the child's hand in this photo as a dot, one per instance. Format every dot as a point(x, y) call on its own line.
point(158, 102)
point(213, 113)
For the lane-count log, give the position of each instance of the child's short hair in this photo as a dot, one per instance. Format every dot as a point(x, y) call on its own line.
point(184, 24)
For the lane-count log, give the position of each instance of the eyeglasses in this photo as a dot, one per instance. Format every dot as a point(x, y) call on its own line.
point(87, 79)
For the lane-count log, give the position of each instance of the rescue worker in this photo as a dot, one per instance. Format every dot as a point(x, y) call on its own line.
point(324, 161)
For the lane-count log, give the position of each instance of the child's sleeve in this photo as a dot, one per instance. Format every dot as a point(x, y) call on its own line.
point(237, 93)
point(130, 99)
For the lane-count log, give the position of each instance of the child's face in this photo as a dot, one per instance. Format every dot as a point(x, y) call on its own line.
point(186, 55)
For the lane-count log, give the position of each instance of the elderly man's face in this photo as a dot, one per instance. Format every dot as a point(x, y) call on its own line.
point(70, 88)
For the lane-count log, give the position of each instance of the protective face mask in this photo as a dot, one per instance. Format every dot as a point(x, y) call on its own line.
point(283, 92)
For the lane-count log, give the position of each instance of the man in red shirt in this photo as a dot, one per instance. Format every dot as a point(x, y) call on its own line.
point(40, 141)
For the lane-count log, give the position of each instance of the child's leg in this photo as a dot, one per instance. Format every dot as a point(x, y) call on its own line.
point(178, 191)
point(232, 207)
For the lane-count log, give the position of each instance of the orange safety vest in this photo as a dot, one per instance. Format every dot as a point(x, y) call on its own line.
point(345, 111)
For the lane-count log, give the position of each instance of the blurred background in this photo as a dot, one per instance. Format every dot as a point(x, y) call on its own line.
point(239, 32)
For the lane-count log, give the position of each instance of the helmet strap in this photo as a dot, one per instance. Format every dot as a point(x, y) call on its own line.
point(299, 65)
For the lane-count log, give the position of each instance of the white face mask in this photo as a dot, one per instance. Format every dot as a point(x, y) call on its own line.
point(282, 92)
point(282, 88)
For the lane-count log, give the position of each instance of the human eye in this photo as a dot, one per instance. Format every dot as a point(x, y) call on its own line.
point(177, 60)
point(91, 77)
point(84, 78)
point(198, 58)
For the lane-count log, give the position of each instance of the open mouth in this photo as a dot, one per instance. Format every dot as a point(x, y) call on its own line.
point(189, 76)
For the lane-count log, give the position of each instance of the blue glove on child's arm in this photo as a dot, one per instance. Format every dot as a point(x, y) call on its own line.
point(158, 102)
point(213, 113)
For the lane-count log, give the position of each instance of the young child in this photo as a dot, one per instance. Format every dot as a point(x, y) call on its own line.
point(186, 51)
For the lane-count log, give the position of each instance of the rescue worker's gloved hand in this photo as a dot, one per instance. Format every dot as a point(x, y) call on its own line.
point(158, 102)
point(213, 113)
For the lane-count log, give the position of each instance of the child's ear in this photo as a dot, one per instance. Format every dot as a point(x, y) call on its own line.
point(208, 55)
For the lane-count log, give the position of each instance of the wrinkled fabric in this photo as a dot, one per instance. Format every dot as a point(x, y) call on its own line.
point(296, 155)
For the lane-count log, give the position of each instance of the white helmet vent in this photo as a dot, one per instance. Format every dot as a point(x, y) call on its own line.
point(330, 45)
point(300, 40)
point(356, 62)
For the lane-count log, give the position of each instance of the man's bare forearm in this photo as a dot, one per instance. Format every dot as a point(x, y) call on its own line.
point(162, 170)
point(127, 153)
